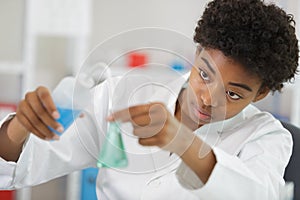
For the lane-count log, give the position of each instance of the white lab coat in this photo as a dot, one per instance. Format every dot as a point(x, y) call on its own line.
point(252, 150)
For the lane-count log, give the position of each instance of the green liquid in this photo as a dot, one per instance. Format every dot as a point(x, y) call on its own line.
point(112, 153)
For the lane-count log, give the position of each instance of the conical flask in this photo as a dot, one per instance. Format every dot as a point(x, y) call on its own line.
point(112, 154)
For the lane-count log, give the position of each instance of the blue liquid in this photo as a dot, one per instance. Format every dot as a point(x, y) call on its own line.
point(67, 117)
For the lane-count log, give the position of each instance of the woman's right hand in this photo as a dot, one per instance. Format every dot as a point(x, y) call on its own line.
point(35, 113)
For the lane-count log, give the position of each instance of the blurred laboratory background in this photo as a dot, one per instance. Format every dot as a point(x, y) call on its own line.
point(42, 41)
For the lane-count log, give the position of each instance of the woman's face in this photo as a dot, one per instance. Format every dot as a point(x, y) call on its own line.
point(218, 88)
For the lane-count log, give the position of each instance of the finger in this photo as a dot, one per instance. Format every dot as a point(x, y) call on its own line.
point(40, 112)
point(33, 130)
point(46, 99)
point(141, 120)
point(148, 131)
point(152, 141)
point(158, 108)
point(29, 127)
point(127, 113)
point(35, 124)
point(32, 121)
point(131, 112)
point(148, 119)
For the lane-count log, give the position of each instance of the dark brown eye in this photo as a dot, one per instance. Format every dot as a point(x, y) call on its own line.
point(204, 75)
point(233, 95)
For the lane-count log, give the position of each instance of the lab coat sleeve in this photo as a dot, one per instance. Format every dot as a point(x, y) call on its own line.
point(78, 148)
point(6, 168)
point(257, 173)
point(41, 161)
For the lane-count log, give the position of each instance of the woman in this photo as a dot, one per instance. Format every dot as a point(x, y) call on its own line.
point(221, 146)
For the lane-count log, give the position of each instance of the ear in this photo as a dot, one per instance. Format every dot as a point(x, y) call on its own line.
point(262, 93)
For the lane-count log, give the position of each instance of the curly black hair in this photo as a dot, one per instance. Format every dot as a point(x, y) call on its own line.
point(259, 36)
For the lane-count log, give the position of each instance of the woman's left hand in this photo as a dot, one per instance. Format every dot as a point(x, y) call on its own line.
point(154, 125)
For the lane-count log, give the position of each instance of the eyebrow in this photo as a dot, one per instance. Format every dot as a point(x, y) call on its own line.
point(246, 87)
point(208, 65)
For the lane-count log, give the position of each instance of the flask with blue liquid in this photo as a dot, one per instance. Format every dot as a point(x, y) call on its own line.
point(70, 96)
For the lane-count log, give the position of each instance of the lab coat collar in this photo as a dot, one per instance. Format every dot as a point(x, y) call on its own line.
point(168, 93)
point(226, 125)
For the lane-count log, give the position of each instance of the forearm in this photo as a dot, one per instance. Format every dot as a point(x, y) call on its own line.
point(200, 158)
point(12, 138)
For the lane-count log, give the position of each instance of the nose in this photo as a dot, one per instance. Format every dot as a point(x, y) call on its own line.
point(206, 98)
point(212, 96)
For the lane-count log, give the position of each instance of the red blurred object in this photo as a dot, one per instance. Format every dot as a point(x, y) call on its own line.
point(137, 59)
point(6, 108)
point(7, 195)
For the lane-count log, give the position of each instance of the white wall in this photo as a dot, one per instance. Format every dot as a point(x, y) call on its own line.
point(11, 16)
point(111, 17)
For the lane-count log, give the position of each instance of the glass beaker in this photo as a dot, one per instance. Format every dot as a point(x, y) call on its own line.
point(113, 152)
point(126, 92)
point(68, 103)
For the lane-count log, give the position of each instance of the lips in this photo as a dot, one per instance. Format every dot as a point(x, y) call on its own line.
point(201, 113)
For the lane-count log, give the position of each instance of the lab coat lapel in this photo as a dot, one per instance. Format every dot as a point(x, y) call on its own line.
point(168, 94)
